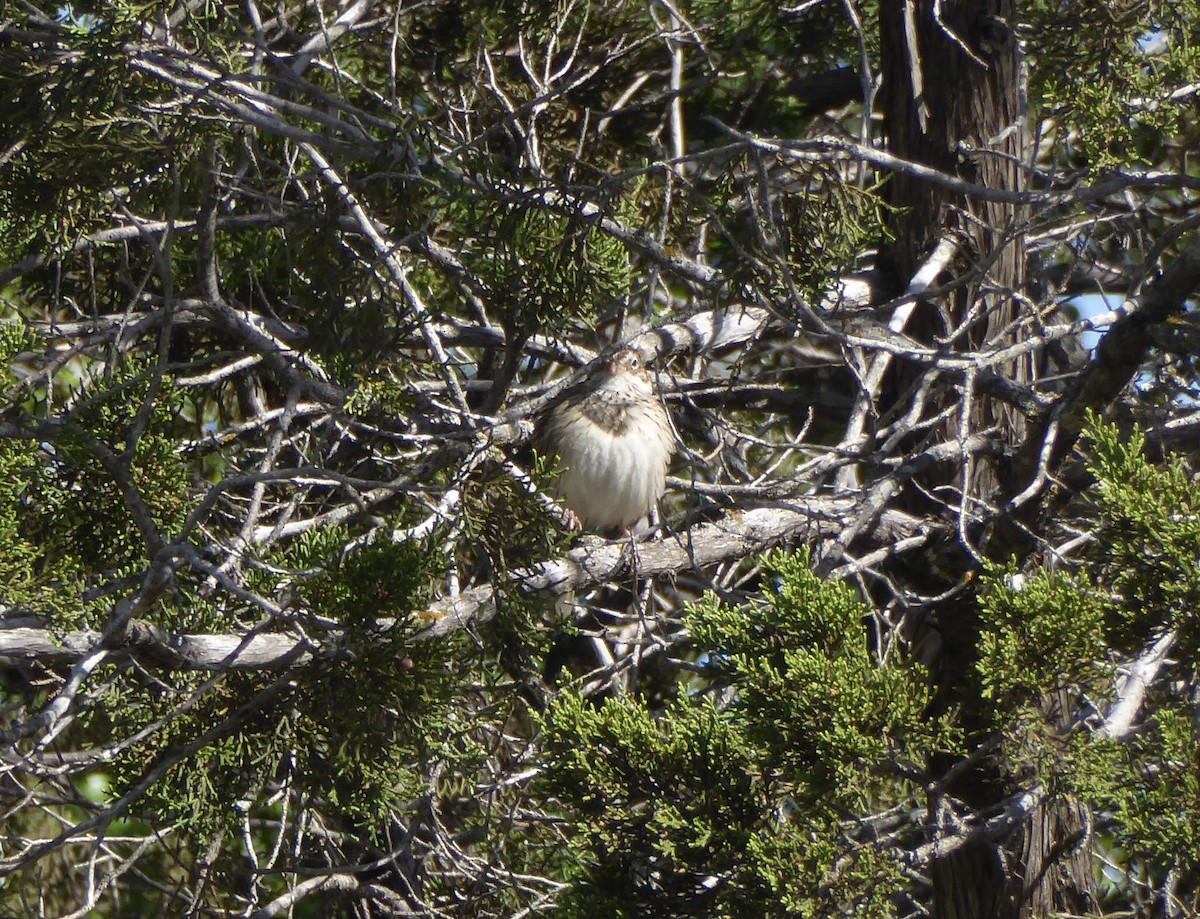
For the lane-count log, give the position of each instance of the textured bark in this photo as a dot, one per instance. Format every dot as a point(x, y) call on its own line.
point(952, 99)
point(1054, 862)
point(965, 117)
point(970, 883)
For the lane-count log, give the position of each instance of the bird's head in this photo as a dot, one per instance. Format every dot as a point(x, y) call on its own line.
point(627, 360)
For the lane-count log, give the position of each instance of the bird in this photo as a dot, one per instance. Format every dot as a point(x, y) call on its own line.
point(614, 442)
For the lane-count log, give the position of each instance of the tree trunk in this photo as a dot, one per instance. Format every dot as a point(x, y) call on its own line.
point(963, 114)
point(952, 99)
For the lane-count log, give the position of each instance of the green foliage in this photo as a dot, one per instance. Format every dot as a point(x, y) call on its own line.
point(77, 119)
point(351, 733)
point(1136, 53)
point(807, 641)
point(807, 237)
point(34, 579)
point(659, 805)
point(548, 271)
point(1040, 635)
point(372, 396)
point(1150, 784)
point(760, 46)
point(1146, 551)
point(382, 581)
point(1149, 538)
point(753, 783)
point(67, 521)
point(713, 809)
point(15, 338)
point(1042, 652)
point(366, 721)
point(508, 529)
point(1158, 803)
point(1047, 643)
point(77, 508)
point(352, 322)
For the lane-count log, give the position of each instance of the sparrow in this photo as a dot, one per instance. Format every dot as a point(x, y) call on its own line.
point(614, 441)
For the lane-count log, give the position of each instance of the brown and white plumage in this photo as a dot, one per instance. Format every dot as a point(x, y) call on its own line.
point(614, 442)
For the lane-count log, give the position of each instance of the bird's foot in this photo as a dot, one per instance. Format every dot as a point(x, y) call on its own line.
point(631, 546)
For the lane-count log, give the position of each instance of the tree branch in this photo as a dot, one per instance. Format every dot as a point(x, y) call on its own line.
point(734, 537)
point(1121, 353)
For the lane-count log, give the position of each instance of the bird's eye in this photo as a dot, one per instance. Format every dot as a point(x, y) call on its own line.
point(635, 362)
